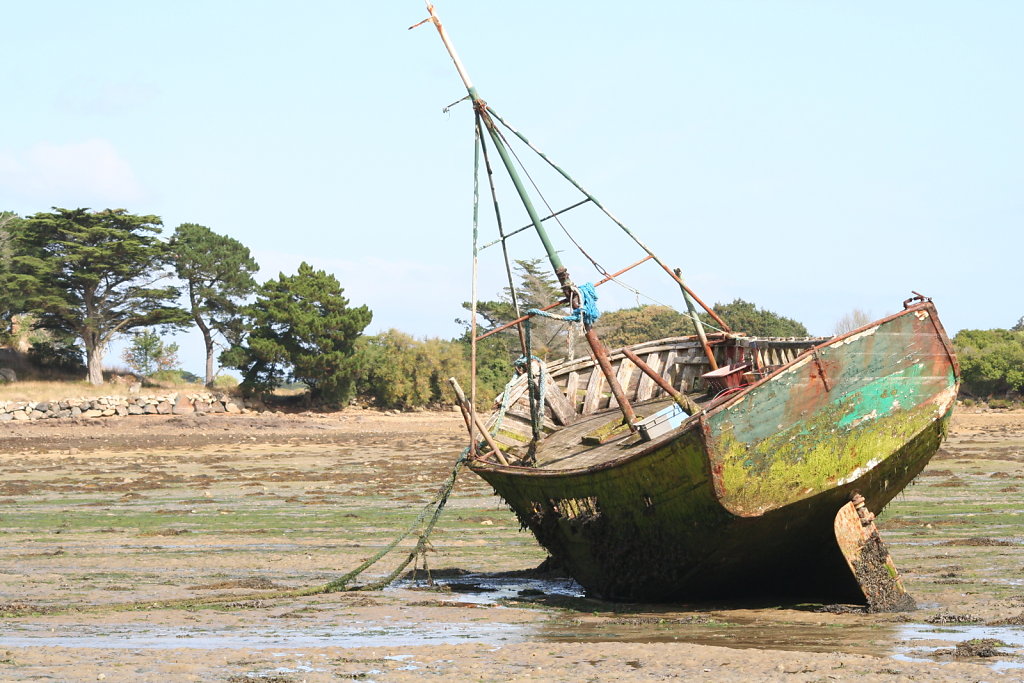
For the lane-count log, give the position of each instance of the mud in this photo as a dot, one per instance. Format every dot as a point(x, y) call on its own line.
point(103, 522)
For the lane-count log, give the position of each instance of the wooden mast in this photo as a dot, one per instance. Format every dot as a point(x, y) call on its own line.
point(571, 294)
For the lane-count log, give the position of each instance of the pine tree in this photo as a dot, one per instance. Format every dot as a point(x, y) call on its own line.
point(93, 275)
point(218, 274)
point(301, 328)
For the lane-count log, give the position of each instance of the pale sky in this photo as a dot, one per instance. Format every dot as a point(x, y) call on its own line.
point(809, 156)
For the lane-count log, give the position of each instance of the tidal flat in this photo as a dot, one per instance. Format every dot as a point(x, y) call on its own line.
point(117, 534)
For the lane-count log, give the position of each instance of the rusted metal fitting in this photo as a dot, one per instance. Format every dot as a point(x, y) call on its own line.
point(866, 516)
point(917, 297)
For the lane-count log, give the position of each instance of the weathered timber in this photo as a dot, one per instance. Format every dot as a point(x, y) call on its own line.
point(743, 496)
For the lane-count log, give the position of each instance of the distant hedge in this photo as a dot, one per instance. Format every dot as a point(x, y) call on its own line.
point(991, 362)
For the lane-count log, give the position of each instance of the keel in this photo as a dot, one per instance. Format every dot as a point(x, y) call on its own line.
point(869, 559)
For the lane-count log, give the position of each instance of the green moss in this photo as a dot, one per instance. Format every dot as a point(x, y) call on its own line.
point(811, 456)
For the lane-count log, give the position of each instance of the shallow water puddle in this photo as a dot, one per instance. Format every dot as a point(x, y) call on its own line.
point(403, 634)
point(920, 640)
point(489, 589)
point(607, 622)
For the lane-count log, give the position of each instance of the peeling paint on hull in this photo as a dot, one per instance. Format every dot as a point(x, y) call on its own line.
point(742, 499)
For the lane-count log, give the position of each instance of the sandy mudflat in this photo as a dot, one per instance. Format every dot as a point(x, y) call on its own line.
point(101, 515)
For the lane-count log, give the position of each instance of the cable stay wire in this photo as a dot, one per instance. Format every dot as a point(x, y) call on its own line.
point(613, 218)
point(554, 215)
point(633, 290)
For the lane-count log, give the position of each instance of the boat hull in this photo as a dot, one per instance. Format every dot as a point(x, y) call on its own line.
point(741, 499)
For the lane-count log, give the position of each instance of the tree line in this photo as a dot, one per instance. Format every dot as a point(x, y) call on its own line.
point(85, 277)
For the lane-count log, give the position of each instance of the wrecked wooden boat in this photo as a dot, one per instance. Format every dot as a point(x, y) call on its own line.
point(742, 496)
point(714, 465)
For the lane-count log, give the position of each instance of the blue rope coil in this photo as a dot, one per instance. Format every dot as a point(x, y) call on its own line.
point(588, 313)
point(588, 309)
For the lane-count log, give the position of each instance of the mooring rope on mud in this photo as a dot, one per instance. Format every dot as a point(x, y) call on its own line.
point(437, 504)
point(432, 509)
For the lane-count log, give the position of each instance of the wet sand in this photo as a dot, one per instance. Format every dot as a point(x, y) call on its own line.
point(104, 520)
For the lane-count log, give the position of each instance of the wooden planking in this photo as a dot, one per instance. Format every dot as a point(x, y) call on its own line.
point(670, 371)
point(562, 410)
point(595, 387)
point(646, 388)
point(572, 386)
point(623, 375)
point(517, 392)
point(515, 426)
point(680, 360)
point(523, 412)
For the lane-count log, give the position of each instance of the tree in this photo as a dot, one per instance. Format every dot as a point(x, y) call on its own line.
point(851, 321)
point(633, 325)
point(9, 301)
point(147, 353)
point(536, 287)
point(93, 275)
point(218, 273)
point(56, 355)
point(991, 361)
point(744, 316)
point(398, 371)
point(301, 328)
point(1019, 327)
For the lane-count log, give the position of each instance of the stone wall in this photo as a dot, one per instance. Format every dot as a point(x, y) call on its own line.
point(177, 403)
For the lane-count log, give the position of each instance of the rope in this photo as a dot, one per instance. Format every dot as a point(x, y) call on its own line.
point(342, 583)
point(433, 509)
point(588, 307)
point(530, 386)
point(505, 398)
point(538, 416)
point(587, 312)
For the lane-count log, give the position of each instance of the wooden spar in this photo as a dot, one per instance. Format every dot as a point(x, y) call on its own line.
point(562, 302)
point(682, 399)
point(697, 324)
point(504, 245)
point(475, 278)
point(465, 405)
point(601, 356)
point(481, 108)
point(556, 261)
point(467, 418)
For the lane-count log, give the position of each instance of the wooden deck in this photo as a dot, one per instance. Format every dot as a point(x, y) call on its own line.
point(565, 449)
point(577, 399)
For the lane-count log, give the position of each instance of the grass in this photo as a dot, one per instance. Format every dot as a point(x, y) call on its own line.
point(56, 390)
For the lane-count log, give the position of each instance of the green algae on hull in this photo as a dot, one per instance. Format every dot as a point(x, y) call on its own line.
point(741, 498)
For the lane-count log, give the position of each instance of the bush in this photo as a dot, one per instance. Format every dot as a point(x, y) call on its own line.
point(991, 361)
point(743, 316)
point(56, 355)
point(175, 377)
point(1000, 404)
point(224, 383)
point(400, 372)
